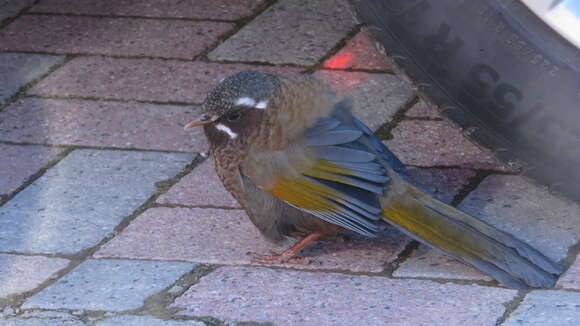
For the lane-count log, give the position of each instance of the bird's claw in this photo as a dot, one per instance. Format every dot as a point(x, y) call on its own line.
point(276, 258)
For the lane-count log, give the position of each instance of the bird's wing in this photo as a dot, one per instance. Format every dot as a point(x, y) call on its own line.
point(335, 171)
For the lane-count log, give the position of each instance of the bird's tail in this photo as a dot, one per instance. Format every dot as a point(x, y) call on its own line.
point(464, 237)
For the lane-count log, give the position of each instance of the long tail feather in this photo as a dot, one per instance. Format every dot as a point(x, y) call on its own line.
point(492, 251)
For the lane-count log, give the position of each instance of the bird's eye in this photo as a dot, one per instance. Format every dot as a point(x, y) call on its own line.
point(234, 116)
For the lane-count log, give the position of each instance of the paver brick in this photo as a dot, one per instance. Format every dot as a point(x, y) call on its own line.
point(218, 236)
point(571, 279)
point(19, 274)
point(105, 284)
point(213, 9)
point(542, 308)
point(201, 187)
point(287, 297)
point(443, 184)
point(377, 97)
point(111, 36)
point(423, 110)
point(429, 263)
point(293, 31)
point(140, 79)
point(359, 53)
point(22, 162)
point(146, 321)
point(438, 143)
point(518, 206)
point(10, 8)
point(58, 319)
point(109, 124)
point(19, 69)
point(82, 199)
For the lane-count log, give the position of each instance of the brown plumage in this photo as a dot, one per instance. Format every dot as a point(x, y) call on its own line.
point(301, 165)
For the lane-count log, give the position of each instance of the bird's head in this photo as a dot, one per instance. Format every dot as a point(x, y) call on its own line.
point(235, 106)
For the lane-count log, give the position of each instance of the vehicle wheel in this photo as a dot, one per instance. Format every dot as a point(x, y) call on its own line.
point(495, 69)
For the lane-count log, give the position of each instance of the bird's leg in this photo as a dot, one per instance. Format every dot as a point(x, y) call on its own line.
point(287, 256)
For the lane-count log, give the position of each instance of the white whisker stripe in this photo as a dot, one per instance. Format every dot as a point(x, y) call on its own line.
point(262, 105)
point(227, 130)
point(246, 101)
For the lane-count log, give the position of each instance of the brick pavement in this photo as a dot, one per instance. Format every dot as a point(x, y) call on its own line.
point(109, 215)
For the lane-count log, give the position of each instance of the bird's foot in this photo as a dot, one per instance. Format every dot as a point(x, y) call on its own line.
point(287, 256)
point(276, 258)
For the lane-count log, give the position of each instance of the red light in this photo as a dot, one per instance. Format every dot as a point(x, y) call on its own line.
point(339, 61)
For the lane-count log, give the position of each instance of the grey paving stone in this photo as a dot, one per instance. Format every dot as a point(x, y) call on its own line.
point(377, 97)
point(547, 308)
point(19, 69)
point(291, 31)
point(571, 279)
point(287, 297)
point(42, 318)
point(79, 201)
point(518, 206)
point(146, 321)
point(428, 263)
point(114, 285)
point(23, 273)
point(10, 8)
point(57, 321)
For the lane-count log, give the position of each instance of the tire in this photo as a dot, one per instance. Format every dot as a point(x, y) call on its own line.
point(496, 70)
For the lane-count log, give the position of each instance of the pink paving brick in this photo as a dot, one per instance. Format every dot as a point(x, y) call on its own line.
point(423, 110)
point(444, 184)
point(359, 53)
point(571, 279)
point(111, 36)
point(438, 143)
point(219, 236)
point(24, 273)
point(201, 187)
point(213, 9)
point(110, 124)
point(18, 163)
point(291, 31)
point(286, 297)
point(140, 79)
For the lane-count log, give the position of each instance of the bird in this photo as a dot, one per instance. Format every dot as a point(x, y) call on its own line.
point(302, 166)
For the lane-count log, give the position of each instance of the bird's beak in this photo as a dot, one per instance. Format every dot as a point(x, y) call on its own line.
point(201, 120)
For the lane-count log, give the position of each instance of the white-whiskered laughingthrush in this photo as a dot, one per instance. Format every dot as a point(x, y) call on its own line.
point(301, 165)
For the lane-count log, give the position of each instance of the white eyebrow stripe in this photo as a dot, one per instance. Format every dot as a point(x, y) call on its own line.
point(261, 105)
point(246, 101)
point(227, 130)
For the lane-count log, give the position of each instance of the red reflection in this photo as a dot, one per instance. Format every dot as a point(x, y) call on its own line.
point(340, 61)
